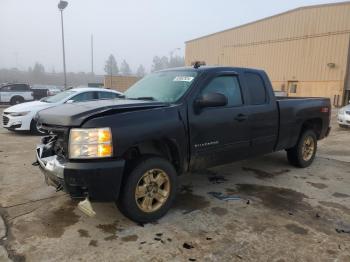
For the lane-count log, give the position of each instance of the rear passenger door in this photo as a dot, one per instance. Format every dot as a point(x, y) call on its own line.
point(263, 114)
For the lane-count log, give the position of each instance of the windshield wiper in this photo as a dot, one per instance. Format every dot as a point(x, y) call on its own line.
point(142, 98)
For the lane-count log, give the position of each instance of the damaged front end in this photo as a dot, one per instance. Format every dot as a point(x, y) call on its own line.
point(94, 178)
point(51, 164)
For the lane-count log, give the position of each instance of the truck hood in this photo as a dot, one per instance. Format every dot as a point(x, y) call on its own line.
point(73, 115)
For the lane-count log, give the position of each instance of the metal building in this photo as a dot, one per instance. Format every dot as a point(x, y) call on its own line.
point(305, 51)
point(120, 83)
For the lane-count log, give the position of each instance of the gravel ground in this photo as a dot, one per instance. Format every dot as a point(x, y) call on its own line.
point(281, 213)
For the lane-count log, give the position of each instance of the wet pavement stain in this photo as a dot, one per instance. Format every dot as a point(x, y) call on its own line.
point(131, 238)
point(49, 222)
point(336, 206)
point(83, 233)
point(289, 204)
point(340, 195)
point(188, 202)
point(324, 178)
point(109, 228)
point(56, 221)
point(283, 199)
point(217, 179)
point(261, 174)
point(93, 243)
point(296, 229)
point(111, 238)
point(219, 211)
point(331, 252)
point(317, 185)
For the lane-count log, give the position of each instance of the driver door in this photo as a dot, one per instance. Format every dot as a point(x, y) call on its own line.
point(219, 135)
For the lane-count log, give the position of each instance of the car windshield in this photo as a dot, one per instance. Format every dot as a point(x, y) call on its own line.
point(59, 97)
point(165, 86)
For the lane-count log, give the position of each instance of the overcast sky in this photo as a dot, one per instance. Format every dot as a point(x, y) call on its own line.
point(130, 29)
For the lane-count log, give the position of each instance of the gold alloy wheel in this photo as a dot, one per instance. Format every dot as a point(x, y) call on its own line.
point(152, 190)
point(308, 148)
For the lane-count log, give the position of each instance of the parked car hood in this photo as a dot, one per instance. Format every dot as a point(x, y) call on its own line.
point(75, 114)
point(28, 106)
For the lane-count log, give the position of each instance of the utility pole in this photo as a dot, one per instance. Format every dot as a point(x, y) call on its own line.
point(61, 6)
point(92, 54)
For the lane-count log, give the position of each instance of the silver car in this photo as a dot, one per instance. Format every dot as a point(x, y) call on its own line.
point(344, 116)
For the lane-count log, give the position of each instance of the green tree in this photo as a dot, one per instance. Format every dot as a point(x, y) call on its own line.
point(38, 68)
point(125, 68)
point(141, 71)
point(111, 66)
point(176, 61)
point(160, 63)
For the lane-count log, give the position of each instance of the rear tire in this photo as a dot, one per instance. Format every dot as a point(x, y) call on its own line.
point(148, 190)
point(16, 100)
point(303, 153)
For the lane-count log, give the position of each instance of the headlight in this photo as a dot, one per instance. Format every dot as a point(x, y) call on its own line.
point(90, 143)
point(19, 113)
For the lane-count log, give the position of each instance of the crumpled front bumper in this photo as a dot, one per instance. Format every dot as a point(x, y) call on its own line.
point(51, 167)
point(98, 179)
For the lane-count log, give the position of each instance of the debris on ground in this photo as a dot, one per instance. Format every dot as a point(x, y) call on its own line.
point(187, 245)
point(343, 228)
point(264, 174)
point(217, 179)
point(222, 196)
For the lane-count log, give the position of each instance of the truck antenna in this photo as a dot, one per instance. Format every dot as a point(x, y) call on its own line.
point(197, 64)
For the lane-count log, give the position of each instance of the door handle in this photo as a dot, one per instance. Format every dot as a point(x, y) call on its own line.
point(241, 117)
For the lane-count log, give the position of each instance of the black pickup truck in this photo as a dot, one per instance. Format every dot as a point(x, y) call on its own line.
point(131, 150)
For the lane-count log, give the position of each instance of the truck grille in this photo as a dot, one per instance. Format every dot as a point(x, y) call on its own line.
point(5, 120)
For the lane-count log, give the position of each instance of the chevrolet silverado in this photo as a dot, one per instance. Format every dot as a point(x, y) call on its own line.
point(131, 150)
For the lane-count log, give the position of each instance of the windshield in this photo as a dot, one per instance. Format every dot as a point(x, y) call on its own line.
point(59, 97)
point(167, 86)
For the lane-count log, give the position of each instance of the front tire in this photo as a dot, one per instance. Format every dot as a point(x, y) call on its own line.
point(303, 153)
point(149, 190)
point(34, 129)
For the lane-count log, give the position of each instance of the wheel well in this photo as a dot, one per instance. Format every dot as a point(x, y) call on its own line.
point(314, 124)
point(163, 148)
point(17, 97)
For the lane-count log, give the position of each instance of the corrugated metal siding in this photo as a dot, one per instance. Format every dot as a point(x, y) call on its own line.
point(120, 83)
point(294, 45)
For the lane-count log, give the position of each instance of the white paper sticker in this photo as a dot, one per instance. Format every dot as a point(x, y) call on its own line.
point(183, 79)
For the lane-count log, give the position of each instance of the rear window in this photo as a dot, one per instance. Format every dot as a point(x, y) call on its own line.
point(256, 88)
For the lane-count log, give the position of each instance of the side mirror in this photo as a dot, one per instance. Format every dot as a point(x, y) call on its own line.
point(211, 100)
point(69, 101)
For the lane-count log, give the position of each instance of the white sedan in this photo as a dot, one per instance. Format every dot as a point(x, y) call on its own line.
point(21, 117)
point(344, 116)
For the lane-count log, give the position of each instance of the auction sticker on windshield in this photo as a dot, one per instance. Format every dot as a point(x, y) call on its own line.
point(183, 79)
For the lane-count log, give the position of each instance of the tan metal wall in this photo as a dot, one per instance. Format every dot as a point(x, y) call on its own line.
point(296, 45)
point(120, 83)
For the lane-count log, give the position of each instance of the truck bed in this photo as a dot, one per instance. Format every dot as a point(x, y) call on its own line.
point(293, 112)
